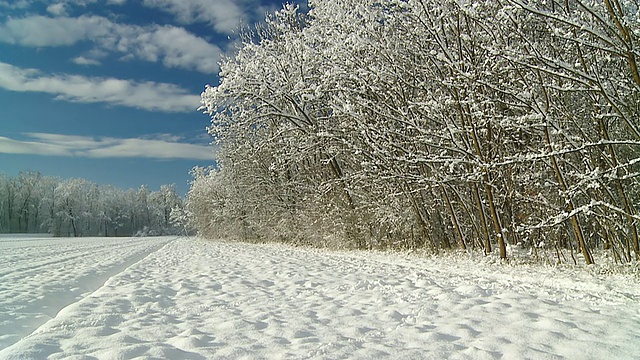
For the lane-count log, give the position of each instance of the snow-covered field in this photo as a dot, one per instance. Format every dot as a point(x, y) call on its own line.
point(187, 298)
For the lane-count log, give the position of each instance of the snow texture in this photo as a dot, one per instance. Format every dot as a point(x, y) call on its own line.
point(187, 298)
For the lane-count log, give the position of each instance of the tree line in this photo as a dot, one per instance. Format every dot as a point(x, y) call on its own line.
point(33, 203)
point(421, 123)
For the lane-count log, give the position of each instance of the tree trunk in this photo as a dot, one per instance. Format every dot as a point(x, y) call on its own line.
point(454, 218)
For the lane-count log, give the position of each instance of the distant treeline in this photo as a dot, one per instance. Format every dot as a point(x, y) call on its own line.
point(33, 203)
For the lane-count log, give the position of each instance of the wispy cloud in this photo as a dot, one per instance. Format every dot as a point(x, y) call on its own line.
point(12, 4)
point(173, 46)
point(81, 60)
point(222, 15)
point(25, 4)
point(149, 95)
point(30, 147)
point(161, 146)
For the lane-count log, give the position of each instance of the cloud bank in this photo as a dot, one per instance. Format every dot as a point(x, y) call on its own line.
point(223, 16)
point(155, 147)
point(174, 46)
point(148, 95)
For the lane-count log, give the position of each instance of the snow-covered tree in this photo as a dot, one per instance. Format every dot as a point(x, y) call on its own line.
point(440, 123)
point(78, 207)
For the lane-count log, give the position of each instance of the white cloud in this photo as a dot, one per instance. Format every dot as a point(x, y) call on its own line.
point(53, 5)
point(68, 3)
point(151, 96)
point(81, 60)
point(11, 146)
point(45, 31)
point(223, 15)
point(164, 137)
point(173, 46)
point(58, 9)
point(160, 147)
point(21, 4)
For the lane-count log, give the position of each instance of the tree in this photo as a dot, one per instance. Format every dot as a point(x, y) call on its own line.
point(78, 207)
point(466, 124)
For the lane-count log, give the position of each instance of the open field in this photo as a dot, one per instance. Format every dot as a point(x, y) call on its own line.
point(188, 298)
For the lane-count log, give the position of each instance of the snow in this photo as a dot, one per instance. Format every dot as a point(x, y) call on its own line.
point(188, 298)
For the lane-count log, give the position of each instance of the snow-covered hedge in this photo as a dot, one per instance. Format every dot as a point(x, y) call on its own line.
point(471, 124)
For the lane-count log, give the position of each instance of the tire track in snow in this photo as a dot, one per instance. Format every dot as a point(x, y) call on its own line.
point(27, 308)
point(34, 266)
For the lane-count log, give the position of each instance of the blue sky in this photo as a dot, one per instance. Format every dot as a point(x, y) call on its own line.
point(108, 90)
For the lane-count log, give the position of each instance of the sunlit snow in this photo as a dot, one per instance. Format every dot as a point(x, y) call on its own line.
point(187, 298)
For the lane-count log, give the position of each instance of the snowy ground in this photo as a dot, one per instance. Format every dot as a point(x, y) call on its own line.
point(186, 298)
